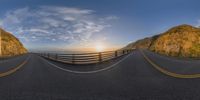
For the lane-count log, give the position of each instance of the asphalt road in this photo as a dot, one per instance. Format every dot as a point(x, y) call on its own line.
point(177, 65)
point(130, 78)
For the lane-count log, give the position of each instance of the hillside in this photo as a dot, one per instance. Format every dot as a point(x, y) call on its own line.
point(10, 45)
point(182, 41)
point(143, 43)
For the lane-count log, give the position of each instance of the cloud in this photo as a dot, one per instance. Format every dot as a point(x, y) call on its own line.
point(54, 24)
point(198, 23)
point(112, 18)
point(1, 23)
point(67, 10)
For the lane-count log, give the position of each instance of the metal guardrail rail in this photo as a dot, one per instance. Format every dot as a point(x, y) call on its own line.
point(85, 58)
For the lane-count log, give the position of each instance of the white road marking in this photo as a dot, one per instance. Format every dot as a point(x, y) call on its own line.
point(86, 72)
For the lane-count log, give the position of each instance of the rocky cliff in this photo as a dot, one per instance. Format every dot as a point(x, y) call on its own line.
point(182, 41)
point(10, 45)
point(143, 43)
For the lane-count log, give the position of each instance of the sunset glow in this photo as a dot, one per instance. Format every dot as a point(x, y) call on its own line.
point(100, 48)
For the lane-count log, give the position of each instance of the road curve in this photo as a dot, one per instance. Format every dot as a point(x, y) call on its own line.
point(10, 66)
point(176, 65)
point(169, 72)
point(133, 78)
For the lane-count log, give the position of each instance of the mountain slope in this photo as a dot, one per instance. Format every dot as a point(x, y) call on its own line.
point(143, 43)
point(10, 45)
point(182, 41)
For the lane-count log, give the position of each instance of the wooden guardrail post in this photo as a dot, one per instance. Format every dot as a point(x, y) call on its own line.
point(115, 53)
point(86, 58)
point(100, 57)
point(56, 57)
point(73, 59)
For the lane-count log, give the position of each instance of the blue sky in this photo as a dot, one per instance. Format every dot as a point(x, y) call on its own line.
point(66, 24)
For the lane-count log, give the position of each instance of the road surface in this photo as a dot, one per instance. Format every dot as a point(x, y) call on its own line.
point(129, 78)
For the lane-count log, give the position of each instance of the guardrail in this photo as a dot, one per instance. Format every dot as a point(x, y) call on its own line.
point(85, 58)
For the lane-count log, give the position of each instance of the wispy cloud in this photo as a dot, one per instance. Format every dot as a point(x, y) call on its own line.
point(53, 23)
point(1, 22)
point(198, 23)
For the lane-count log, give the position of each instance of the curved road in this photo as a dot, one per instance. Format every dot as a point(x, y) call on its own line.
point(130, 78)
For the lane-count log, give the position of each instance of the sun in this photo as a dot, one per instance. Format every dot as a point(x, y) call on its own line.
point(100, 48)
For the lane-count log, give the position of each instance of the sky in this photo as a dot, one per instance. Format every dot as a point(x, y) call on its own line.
point(82, 24)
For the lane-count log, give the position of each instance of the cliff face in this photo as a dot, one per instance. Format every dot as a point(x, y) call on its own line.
point(182, 41)
point(143, 43)
point(10, 45)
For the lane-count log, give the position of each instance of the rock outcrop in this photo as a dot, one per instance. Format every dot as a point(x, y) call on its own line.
point(179, 41)
point(183, 41)
point(10, 45)
point(143, 43)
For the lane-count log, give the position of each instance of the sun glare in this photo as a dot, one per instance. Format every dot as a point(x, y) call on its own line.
point(99, 48)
